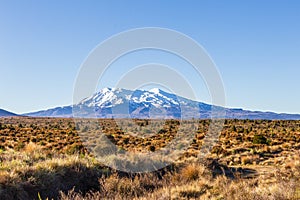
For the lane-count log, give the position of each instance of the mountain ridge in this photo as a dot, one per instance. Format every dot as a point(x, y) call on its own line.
point(154, 103)
point(5, 113)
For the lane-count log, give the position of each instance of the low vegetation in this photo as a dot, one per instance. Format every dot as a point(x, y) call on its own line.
point(44, 158)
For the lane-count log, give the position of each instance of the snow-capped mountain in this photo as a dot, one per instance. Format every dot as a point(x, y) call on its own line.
point(155, 103)
point(109, 97)
point(111, 102)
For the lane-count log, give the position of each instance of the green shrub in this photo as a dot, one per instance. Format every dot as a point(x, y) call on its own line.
point(260, 139)
point(20, 146)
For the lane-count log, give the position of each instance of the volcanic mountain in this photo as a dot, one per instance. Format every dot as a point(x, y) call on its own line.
point(155, 103)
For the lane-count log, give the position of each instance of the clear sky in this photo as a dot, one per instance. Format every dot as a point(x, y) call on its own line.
point(255, 44)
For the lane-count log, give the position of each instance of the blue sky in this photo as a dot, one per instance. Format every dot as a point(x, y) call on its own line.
point(255, 45)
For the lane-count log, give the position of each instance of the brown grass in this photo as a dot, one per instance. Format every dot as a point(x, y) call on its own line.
point(46, 156)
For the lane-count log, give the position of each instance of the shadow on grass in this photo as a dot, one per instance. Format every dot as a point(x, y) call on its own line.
point(217, 168)
point(82, 179)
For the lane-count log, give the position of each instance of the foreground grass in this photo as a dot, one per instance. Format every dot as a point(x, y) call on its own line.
point(32, 174)
point(44, 158)
point(26, 173)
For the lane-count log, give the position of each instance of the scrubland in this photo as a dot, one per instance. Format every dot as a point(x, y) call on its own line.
point(47, 158)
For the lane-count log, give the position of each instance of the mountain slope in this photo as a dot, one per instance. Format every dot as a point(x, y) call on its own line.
point(155, 103)
point(65, 111)
point(4, 113)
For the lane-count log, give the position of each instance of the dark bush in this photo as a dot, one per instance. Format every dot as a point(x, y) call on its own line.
point(260, 139)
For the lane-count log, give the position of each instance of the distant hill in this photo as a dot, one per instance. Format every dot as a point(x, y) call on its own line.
point(4, 113)
point(65, 111)
point(155, 103)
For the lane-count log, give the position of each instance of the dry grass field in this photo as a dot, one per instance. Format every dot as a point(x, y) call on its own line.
point(44, 158)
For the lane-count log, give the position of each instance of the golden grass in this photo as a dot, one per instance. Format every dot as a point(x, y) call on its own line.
point(46, 156)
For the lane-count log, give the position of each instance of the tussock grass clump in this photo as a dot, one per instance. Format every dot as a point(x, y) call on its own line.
point(25, 174)
point(192, 171)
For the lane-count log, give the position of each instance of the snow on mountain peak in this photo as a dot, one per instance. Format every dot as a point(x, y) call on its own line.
point(108, 97)
point(155, 90)
point(107, 89)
